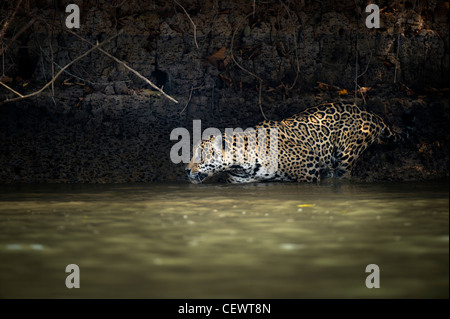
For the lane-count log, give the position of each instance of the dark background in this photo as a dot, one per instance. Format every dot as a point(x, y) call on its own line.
point(101, 123)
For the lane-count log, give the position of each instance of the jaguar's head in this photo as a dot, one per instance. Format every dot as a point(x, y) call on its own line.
point(206, 161)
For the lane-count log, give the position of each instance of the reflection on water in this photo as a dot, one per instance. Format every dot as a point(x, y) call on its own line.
point(276, 240)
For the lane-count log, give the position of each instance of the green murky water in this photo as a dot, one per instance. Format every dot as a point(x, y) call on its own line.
point(279, 240)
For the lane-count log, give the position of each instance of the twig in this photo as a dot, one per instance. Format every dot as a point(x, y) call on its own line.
point(11, 89)
point(73, 75)
point(356, 69)
point(362, 94)
point(360, 75)
point(396, 58)
point(193, 24)
point(118, 5)
point(400, 30)
point(297, 72)
point(189, 99)
point(212, 98)
point(244, 69)
point(8, 21)
point(260, 100)
point(96, 46)
point(206, 34)
point(231, 49)
point(3, 61)
point(367, 66)
point(57, 74)
point(14, 38)
point(52, 64)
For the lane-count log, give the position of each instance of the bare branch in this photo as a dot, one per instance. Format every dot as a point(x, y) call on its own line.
point(11, 89)
point(8, 21)
point(126, 66)
point(14, 38)
point(297, 71)
point(260, 100)
point(367, 66)
point(231, 49)
point(397, 65)
point(52, 64)
point(244, 69)
point(189, 99)
point(193, 24)
point(57, 74)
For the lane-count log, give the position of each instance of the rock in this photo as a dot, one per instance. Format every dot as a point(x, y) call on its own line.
point(120, 87)
point(109, 90)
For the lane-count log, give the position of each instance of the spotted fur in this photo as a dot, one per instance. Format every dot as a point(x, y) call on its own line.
point(322, 141)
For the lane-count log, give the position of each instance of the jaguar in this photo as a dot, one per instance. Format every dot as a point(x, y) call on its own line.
point(320, 142)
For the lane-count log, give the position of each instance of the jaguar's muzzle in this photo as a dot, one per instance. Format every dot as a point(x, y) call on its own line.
point(195, 178)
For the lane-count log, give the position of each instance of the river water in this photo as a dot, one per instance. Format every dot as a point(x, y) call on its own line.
point(269, 240)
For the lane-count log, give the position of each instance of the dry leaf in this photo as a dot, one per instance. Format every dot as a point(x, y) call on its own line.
point(6, 79)
point(364, 89)
point(219, 54)
point(430, 90)
point(227, 80)
point(88, 89)
point(80, 99)
point(327, 87)
point(409, 91)
point(216, 59)
point(150, 92)
point(67, 81)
